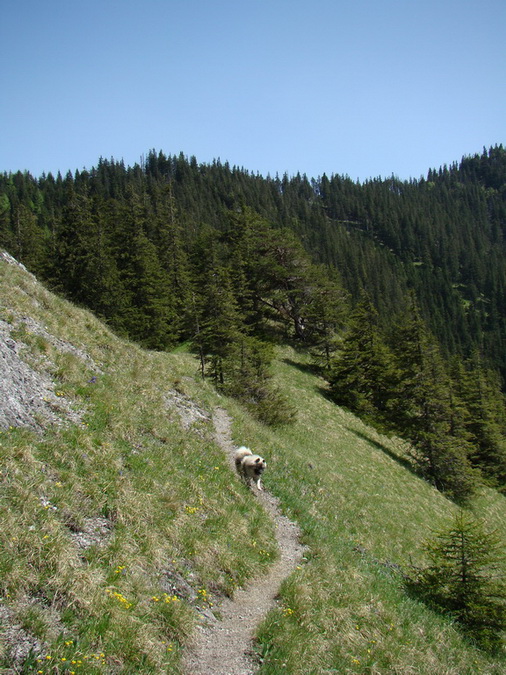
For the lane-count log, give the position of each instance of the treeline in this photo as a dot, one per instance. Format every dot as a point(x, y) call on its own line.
point(122, 251)
point(171, 250)
point(442, 236)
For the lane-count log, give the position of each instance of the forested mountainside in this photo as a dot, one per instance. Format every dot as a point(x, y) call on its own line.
point(398, 288)
point(442, 236)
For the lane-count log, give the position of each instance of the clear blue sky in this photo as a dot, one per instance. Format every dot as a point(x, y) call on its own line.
point(358, 87)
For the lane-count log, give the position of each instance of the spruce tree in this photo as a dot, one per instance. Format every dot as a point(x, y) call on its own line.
point(219, 325)
point(249, 380)
point(465, 579)
point(485, 420)
point(168, 238)
point(72, 249)
point(6, 232)
point(147, 317)
point(28, 242)
point(325, 314)
point(362, 376)
point(421, 410)
point(237, 361)
point(276, 268)
point(84, 268)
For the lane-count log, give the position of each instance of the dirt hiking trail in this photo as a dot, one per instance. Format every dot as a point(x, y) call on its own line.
point(224, 647)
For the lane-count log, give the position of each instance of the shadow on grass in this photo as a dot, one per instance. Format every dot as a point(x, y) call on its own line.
point(405, 463)
point(312, 369)
point(309, 368)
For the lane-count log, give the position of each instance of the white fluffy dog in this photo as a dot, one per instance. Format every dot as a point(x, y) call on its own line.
point(249, 466)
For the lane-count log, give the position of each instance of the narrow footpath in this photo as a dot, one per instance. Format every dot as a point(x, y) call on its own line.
point(224, 647)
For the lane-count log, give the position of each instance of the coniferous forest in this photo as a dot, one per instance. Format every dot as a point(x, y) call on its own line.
point(397, 288)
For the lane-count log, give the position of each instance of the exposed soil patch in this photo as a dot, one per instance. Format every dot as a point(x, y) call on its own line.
point(93, 532)
point(13, 636)
point(224, 647)
point(189, 412)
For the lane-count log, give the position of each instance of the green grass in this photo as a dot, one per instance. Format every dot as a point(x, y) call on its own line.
point(364, 516)
point(172, 529)
point(169, 529)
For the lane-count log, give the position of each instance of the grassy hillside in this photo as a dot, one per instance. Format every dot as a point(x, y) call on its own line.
point(363, 513)
point(119, 530)
point(123, 522)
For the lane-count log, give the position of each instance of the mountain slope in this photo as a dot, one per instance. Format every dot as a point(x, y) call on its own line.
point(121, 528)
point(131, 243)
point(364, 513)
point(123, 520)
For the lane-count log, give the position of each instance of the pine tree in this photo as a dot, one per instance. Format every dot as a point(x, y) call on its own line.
point(105, 293)
point(249, 380)
point(485, 419)
point(85, 268)
point(147, 317)
point(325, 313)
point(75, 262)
point(242, 242)
point(276, 268)
point(6, 233)
point(28, 244)
point(173, 259)
point(219, 323)
point(421, 410)
point(362, 376)
point(237, 361)
point(463, 579)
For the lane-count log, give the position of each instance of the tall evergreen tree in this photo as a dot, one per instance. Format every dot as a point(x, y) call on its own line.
point(325, 314)
point(219, 322)
point(148, 315)
point(173, 259)
point(237, 361)
point(28, 243)
point(362, 376)
point(250, 381)
point(485, 419)
point(73, 269)
point(422, 411)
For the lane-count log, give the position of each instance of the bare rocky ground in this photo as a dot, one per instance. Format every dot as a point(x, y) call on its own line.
point(225, 646)
point(28, 396)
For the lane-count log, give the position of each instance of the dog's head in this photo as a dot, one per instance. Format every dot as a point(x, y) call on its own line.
point(260, 465)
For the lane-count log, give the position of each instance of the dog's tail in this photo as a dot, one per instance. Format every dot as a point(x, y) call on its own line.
point(240, 454)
